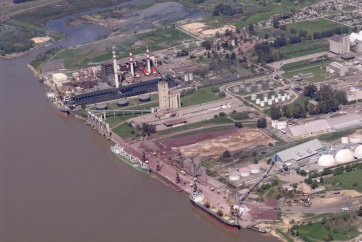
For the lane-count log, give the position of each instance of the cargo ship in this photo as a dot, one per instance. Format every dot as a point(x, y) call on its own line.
point(229, 220)
point(256, 229)
point(118, 151)
point(57, 104)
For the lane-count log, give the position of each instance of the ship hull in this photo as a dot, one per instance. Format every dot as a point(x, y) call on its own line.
point(214, 215)
point(58, 109)
point(138, 168)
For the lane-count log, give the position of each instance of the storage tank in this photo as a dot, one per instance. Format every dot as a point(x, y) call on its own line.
point(244, 172)
point(265, 94)
point(248, 89)
point(253, 83)
point(288, 97)
point(187, 45)
point(276, 100)
point(358, 152)
point(259, 87)
point(242, 86)
point(265, 99)
point(234, 176)
point(262, 104)
point(122, 102)
point(253, 97)
point(271, 85)
point(344, 156)
point(277, 91)
point(264, 81)
point(236, 89)
point(186, 77)
point(254, 168)
point(326, 160)
point(257, 101)
point(283, 99)
point(279, 96)
point(273, 97)
point(344, 140)
point(144, 98)
point(270, 102)
point(101, 106)
point(355, 138)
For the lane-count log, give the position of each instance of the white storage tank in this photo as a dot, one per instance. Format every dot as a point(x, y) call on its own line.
point(236, 89)
point(355, 138)
point(257, 101)
point(253, 83)
point(265, 99)
point(234, 176)
point(358, 152)
point(279, 96)
point(271, 85)
point(277, 91)
point(191, 76)
point(276, 100)
point(244, 172)
point(344, 156)
point(283, 98)
point(253, 97)
point(259, 87)
point(186, 77)
point(262, 104)
point(270, 102)
point(248, 89)
point(254, 168)
point(344, 140)
point(273, 97)
point(264, 81)
point(326, 160)
point(288, 96)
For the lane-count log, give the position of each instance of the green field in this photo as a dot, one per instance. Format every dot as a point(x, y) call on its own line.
point(317, 231)
point(200, 96)
point(303, 64)
point(318, 25)
point(306, 48)
point(348, 180)
point(318, 72)
point(124, 131)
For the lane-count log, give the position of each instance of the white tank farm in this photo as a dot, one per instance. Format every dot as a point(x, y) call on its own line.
point(344, 140)
point(262, 104)
point(358, 152)
point(234, 176)
point(326, 160)
point(244, 172)
point(355, 138)
point(279, 96)
point(344, 156)
point(257, 101)
point(288, 97)
point(254, 169)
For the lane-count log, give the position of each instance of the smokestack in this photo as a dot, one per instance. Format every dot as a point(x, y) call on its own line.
point(148, 61)
point(131, 63)
point(115, 67)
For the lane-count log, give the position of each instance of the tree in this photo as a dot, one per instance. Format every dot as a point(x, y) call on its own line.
point(206, 44)
point(238, 124)
point(360, 211)
point(261, 123)
point(276, 23)
point(310, 90)
point(233, 56)
point(275, 112)
point(283, 27)
point(226, 154)
point(222, 114)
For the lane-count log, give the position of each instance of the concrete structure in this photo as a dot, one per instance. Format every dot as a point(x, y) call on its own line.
point(279, 124)
point(234, 176)
point(339, 44)
point(300, 152)
point(358, 152)
point(148, 61)
point(163, 97)
point(326, 160)
point(355, 138)
point(244, 172)
point(344, 156)
point(115, 67)
point(174, 100)
point(337, 68)
point(131, 64)
point(59, 78)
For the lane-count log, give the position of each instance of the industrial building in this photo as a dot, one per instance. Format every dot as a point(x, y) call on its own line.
point(300, 152)
point(168, 100)
point(339, 44)
point(338, 68)
point(59, 78)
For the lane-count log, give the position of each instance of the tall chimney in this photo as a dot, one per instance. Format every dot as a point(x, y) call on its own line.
point(131, 63)
point(115, 67)
point(148, 61)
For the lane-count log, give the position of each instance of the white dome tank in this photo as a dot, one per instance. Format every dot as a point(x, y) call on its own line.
point(244, 172)
point(358, 152)
point(234, 176)
point(344, 140)
point(254, 169)
point(344, 156)
point(326, 160)
point(355, 138)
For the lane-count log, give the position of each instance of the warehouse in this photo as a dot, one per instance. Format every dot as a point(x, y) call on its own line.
point(310, 128)
point(345, 121)
point(300, 152)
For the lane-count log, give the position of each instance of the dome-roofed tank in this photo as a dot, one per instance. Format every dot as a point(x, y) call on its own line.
point(358, 152)
point(244, 172)
point(344, 156)
point(326, 160)
point(254, 169)
point(145, 97)
point(122, 102)
point(234, 176)
point(101, 106)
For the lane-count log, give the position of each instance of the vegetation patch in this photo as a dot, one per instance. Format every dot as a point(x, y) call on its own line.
point(348, 180)
point(200, 96)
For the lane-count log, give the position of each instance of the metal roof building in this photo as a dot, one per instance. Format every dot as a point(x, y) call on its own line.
point(310, 128)
point(300, 152)
point(345, 121)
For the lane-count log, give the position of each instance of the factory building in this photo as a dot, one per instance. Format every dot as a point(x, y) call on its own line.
point(59, 78)
point(168, 100)
point(300, 152)
point(339, 44)
point(339, 69)
point(310, 128)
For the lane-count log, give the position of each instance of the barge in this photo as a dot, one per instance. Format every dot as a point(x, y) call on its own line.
point(57, 104)
point(261, 230)
point(119, 152)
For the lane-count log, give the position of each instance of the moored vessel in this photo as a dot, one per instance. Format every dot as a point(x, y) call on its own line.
point(129, 159)
point(229, 220)
point(57, 104)
point(261, 230)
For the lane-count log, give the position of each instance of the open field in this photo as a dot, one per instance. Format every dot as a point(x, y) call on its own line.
point(305, 48)
point(347, 180)
point(318, 230)
point(318, 25)
point(9, 9)
point(124, 131)
point(303, 64)
point(319, 73)
point(199, 96)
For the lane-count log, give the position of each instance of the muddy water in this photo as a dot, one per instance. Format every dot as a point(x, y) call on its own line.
point(59, 181)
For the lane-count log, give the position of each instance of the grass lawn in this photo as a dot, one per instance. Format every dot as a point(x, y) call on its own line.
point(347, 179)
point(124, 131)
point(304, 48)
point(223, 120)
point(318, 72)
point(284, 235)
point(303, 64)
point(239, 116)
point(337, 135)
point(114, 120)
point(318, 25)
point(317, 231)
point(199, 96)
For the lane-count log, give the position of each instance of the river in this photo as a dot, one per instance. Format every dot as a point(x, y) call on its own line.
point(59, 181)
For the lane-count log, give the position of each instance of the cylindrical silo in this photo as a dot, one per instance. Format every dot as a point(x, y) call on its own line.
point(283, 99)
point(277, 91)
point(244, 172)
point(270, 102)
point(259, 87)
point(234, 176)
point(265, 99)
point(257, 101)
point(265, 94)
point(248, 89)
point(276, 100)
point(254, 168)
point(262, 104)
point(273, 97)
point(236, 89)
point(253, 97)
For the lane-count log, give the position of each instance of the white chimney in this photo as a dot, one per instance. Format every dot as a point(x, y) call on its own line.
point(131, 63)
point(148, 61)
point(115, 67)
